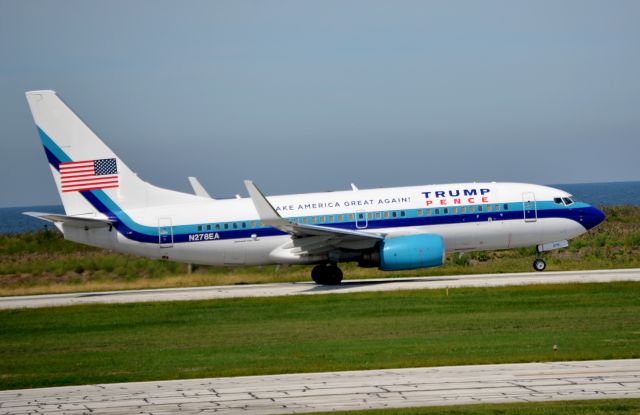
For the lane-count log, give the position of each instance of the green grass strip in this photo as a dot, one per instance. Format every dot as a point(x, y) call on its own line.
point(253, 336)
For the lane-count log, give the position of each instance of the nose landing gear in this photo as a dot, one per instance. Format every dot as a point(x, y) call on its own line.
point(326, 274)
point(539, 264)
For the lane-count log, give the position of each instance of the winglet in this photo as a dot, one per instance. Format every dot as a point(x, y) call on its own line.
point(266, 212)
point(198, 189)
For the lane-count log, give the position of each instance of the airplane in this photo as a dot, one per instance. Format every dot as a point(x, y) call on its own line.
point(107, 205)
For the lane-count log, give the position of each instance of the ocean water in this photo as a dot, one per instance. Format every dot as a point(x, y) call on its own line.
point(13, 221)
point(598, 194)
point(603, 194)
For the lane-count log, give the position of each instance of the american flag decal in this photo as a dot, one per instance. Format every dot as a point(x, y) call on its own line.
point(89, 175)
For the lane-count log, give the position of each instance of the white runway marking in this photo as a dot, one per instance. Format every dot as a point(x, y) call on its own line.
point(310, 288)
point(284, 394)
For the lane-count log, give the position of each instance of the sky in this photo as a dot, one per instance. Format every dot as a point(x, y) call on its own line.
point(305, 96)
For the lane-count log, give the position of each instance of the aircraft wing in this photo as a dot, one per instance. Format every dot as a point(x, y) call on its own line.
point(75, 221)
point(269, 216)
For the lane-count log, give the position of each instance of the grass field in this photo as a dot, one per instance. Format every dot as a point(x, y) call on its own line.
point(134, 342)
point(609, 407)
point(43, 262)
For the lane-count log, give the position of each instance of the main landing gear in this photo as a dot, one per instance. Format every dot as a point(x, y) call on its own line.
point(326, 274)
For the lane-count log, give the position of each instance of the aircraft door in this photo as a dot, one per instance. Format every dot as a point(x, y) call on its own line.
point(361, 220)
point(529, 207)
point(165, 233)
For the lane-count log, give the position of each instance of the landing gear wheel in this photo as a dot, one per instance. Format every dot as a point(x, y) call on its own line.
point(326, 274)
point(335, 275)
point(317, 274)
point(539, 264)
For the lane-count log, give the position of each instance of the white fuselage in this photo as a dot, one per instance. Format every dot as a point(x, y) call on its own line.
point(468, 216)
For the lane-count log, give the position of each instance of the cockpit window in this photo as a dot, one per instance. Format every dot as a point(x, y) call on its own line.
point(564, 200)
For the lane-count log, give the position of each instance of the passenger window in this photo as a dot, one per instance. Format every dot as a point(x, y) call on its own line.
point(340, 218)
point(386, 215)
point(235, 225)
point(497, 208)
point(378, 215)
point(471, 209)
point(314, 219)
point(305, 220)
point(437, 211)
point(402, 213)
point(454, 210)
point(253, 224)
point(360, 216)
point(226, 226)
point(428, 212)
point(419, 212)
point(370, 216)
point(199, 228)
point(323, 219)
point(351, 216)
point(463, 209)
point(217, 226)
point(208, 227)
point(394, 214)
point(331, 218)
point(446, 211)
point(488, 208)
point(506, 206)
point(244, 225)
point(480, 208)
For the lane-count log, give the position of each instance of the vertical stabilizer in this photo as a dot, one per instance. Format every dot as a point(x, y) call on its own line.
point(90, 177)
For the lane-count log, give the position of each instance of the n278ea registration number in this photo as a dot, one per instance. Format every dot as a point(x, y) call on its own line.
point(210, 236)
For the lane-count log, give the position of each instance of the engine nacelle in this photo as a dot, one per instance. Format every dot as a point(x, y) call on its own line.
point(411, 252)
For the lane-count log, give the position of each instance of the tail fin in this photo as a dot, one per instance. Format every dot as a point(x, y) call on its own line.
point(90, 177)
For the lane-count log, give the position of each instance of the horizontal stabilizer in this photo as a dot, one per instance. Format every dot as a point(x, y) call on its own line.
point(75, 221)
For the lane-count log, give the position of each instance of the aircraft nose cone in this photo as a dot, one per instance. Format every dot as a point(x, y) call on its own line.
point(592, 217)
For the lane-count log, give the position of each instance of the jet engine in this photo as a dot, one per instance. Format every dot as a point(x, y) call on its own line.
point(406, 252)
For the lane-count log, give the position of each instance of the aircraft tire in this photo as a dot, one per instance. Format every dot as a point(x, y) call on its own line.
point(317, 274)
point(335, 275)
point(539, 264)
point(326, 274)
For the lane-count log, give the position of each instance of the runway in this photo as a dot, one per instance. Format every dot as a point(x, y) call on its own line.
point(309, 288)
point(284, 394)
